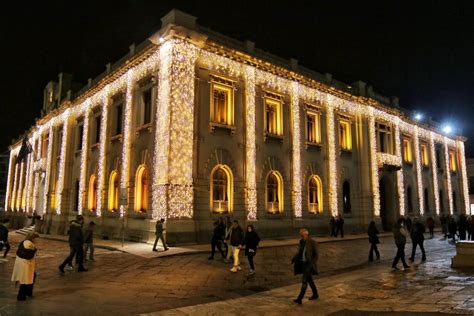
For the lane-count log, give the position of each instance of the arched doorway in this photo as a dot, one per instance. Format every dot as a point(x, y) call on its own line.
point(388, 208)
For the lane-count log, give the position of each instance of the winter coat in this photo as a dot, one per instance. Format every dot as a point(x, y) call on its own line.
point(399, 234)
point(373, 232)
point(236, 236)
point(25, 263)
point(417, 231)
point(311, 255)
point(89, 235)
point(3, 233)
point(251, 241)
point(430, 222)
point(339, 222)
point(219, 232)
point(159, 229)
point(76, 237)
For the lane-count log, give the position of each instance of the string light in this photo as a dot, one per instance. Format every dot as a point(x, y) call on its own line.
point(9, 180)
point(434, 171)
point(62, 162)
point(102, 149)
point(398, 153)
point(48, 170)
point(250, 143)
point(374, 164)
point(448, 176)
point(419, 179)
point(19, 191)
point(84, 152)
point(295, 111)
point(332, 160)
point(465, 187)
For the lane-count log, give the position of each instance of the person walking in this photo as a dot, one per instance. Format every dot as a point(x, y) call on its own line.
point(407, 223)
point(462, 227)
point(251, 242)
point(373, 240)
point(452, 228)
point(228, 230)
point(89, 241)
point(305, 263)
point(444, 225)
point(417, 239)
point(236, 243)
point(25, 265)
point(4, 238)
point(332, 226)
point(400, 236)
point(471, 227)
point(431, 224)
point(76, 245)
point(217, 237)
point(340, 226)
point(160, 234)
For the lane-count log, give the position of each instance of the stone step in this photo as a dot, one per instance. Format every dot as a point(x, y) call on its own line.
point(26, 230)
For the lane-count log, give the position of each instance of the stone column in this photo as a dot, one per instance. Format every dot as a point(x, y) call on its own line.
point(434, 169)
point(19, 189)
point(48, 170)
point(419, 179)
point(296, 149)
point(448, 176)
point(10, 176)
point(84, 154)
point(373, 163)
point(400, 183)
point(250, 145)
point(62, 162)
point(464, 178)
point(102, 152)
point(333, 182)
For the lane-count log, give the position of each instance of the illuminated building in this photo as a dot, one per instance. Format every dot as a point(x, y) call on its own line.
point(193, 125)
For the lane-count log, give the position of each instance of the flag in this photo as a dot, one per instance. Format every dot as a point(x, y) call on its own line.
point(24, 150)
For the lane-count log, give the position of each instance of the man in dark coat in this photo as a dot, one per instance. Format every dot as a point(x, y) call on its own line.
point(452, 228)
point(340, 226)
point(76, 244)
point(160, 234)
point(462, 226)
point(4, 238)
point(217, 238)
point(305, 262)
point(444, 225)
point(417, 239)
point(400, 235)
point(236, 240)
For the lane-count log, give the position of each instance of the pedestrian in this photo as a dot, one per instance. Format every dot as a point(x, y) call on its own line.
point(431, 224)
point(251, 242)
point(305, 263)
point(471, 228)
point(417, 239)
point(24, 268)
point(340, 225)
point(76, 245)
point(452, 228)
point(4, 238)
point(228, 230)
point(332, 225)
point(236, 243)
point(444, 225)
point(89, 241)
point(160, 234)
point(373, 240)
point(217, 237)
point(400, 235)
point(462, 227)
point(407, 224)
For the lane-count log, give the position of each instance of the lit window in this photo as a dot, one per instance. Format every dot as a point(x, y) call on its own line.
point(141, 190)
point(384, 138)
point(424, 155)
point(221, 189)
point(315, 195)
point(222, 101)
point(113, 195)
point(452, 161)
point(273, 116)
point(91, 194)
point(345, 135)
point(44, 145)
point(274, 192)
point(407, 154)
point(313, 127)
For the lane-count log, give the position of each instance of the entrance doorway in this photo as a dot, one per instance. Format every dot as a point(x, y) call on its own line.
point(388, 207)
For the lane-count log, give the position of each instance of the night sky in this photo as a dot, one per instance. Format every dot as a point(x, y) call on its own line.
point(420, 51)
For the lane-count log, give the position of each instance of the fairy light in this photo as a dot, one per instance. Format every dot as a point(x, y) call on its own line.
point(332, 160)
point(419, 179)
point(434, 171)
point(250, 145)
point(465, 186)
point(295, 111)
point(374, 164)
point(84, 152)
point(48, 170)
point(28, 179)
point(448, 176)
point(9, 180)
point(401, 186)
point(102, 150)
point(62, 162)
point(19, 191)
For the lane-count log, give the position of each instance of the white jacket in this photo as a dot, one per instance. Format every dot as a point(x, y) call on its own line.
point(24, 270)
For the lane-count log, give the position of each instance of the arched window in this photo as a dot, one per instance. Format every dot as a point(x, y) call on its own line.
point(274, 192)
point(92, 193)
point(409, 200)
point(113, 195)
point(315, 195)
point(221, 189)
point(425, 199)
point(346, 197)
point(141, 190)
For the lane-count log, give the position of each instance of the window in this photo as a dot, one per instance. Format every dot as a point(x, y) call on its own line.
point(146, 101)
point(425, 200)
point(44, 146)
point(144, 109)
point(141, 190)
point(313, 127)
point(407, 153)
point(222, 101)
point(345, 135)
point(346, 197)
point(80, 132)
point(97, 129)
point(384, 138)
point(452, 161)
point(273, 120)
point(425, 161)
point(315, 195)
point(221, 189)
point(113, 196)
point(409, 200)
point(77, 195)
point(438, 157)
point(91, 194)
point(118, 122)
point(274, 192)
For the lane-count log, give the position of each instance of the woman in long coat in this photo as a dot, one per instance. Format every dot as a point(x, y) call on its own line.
point(24, 268)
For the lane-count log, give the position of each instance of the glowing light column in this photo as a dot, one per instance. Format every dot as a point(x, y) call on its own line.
point(48, 170)
point(419, 179)
point(398, 152)
point(29, 174)
point(62, 162)
point(9, 181)
point(250, 146)
point(448, 176)
point(373, 163)
point(295, 111)
point(465, 187)
point(435, 172)
point(332, 160)
point(102, 148)
point(84, 152)
point(19, 190)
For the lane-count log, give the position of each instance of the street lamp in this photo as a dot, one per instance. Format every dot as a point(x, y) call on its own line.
point(447, 129)
point(418, 116)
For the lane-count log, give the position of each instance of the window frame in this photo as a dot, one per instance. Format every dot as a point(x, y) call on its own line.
point(279, 194)
point(319, 193)
point(229, 190)
point(274, 100)
point(315, 112)
point(424, 155)
point(407, 149)
point(224, 84)
point(385, 128)
point(113, 192)
point(452, 161)
point(145, 85)
point(345, 133)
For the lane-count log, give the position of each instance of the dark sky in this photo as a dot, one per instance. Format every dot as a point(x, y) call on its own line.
point(421, 51)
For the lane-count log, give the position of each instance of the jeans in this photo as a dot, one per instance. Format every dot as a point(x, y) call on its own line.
point(413, 250)
point(215, 243)
point(91, 247)
point(373, 248)
point(162, 237)
point(77, 251)
point(7, 248)
point(26, 290)
point(400, 255)
point(307, 279)
point(236, 251)
point(250, 258)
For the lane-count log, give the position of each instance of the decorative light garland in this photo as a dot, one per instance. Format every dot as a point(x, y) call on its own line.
point(9, 181)
point(295, 111)
point(465, 186)
point(434, 171)
point(84, 151)
point(125, 174)
point(62, 163)
point(102, 150)
point(401, 186)
point(374, 164)
point(19, 191)
point(448, 176)
point(388, 159)
point(419, 178)
point(332, 160)
point(250, 145)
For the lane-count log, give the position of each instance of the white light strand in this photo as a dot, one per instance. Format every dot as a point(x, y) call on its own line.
point(9, 181)
point(19, 192)
point(48, 170)
point(15, 185)
point(434, 169)
point(401, 186)
point(29, 174)
point(62, 164)
point(448, 177)
point(333, 181)
point(374, 164)
point(102, 151)
point(84, 152)
point(419, 178)
point(388, 159)
point(295, 115)
point(124, 177)
point(465, 186)
point(250, 145)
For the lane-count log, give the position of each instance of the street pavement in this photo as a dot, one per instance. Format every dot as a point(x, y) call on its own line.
point(120, 283)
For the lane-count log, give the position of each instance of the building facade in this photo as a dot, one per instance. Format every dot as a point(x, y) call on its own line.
point(194, 125)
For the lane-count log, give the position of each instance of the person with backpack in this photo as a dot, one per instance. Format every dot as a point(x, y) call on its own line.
point(417, 239)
